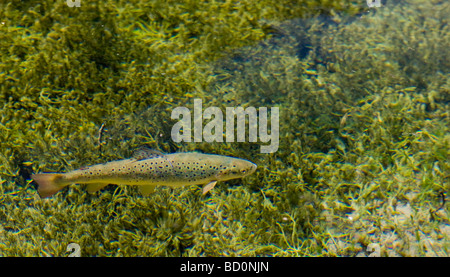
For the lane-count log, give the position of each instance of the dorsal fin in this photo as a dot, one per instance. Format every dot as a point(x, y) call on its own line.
point(143, 153)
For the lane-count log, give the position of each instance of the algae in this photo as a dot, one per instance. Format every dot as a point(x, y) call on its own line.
point(364, 128)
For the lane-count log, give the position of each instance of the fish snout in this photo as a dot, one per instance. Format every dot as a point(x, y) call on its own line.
point(248, 168)
point(253, 167)
point(237, 169)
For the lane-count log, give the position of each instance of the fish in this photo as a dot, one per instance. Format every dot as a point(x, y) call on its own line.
point(149, 168)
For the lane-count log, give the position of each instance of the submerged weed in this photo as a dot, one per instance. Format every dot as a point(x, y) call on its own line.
point(364, 133)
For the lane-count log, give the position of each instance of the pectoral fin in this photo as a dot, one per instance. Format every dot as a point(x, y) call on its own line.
point(147, 189)
point(209, 187)
point(91, 188)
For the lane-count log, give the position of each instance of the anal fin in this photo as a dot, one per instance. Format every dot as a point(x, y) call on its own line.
point(91, 188)
point(146, 189)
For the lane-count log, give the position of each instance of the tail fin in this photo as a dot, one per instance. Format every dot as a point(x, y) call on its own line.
point(48, 183)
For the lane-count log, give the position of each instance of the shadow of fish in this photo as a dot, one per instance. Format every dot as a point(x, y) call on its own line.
point(149, 168)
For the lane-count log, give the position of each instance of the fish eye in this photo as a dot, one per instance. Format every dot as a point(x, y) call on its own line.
point(243, 170)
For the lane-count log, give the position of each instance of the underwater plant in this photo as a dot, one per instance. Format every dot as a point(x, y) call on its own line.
point(364, 125)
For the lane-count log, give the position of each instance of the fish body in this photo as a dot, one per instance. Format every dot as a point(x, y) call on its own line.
point(148, 169)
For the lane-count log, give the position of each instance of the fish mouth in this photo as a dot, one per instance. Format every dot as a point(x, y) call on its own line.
point(253, 167)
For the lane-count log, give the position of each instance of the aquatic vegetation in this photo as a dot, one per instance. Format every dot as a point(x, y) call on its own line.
point(364, 127)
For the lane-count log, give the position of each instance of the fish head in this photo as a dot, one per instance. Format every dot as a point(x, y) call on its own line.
point(237, 168)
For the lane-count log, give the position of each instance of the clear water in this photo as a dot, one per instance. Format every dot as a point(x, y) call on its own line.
point(354, 101)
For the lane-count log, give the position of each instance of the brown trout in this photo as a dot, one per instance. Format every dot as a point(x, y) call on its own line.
point(149, 168)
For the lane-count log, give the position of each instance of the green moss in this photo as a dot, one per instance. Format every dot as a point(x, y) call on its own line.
point(364, 136)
